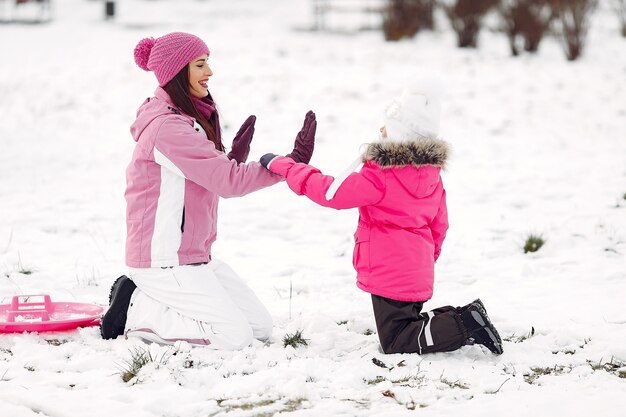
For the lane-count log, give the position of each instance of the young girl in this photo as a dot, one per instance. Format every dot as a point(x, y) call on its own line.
point(402, 225)
point(179, 169)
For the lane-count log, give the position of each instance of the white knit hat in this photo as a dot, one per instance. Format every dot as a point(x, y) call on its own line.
point(416, 112)
point(412, 116)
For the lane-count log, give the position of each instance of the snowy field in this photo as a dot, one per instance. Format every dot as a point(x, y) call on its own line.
point(539, 147)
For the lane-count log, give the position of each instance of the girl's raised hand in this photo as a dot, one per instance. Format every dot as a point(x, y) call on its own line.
point(305, 140)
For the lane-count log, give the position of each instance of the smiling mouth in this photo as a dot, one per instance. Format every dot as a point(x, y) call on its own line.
point(204, 83)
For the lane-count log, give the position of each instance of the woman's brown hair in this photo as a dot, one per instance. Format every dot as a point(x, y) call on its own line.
point(178, 90)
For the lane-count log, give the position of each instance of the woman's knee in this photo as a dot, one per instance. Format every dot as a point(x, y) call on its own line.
point(263, 328)
point(235, 337)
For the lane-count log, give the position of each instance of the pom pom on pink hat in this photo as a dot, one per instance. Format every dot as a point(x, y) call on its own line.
point(167, 55)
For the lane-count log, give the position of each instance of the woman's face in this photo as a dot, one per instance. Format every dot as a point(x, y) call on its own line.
point(199, 73)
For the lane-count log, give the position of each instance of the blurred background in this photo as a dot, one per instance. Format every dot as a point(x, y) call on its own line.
point(535, 112)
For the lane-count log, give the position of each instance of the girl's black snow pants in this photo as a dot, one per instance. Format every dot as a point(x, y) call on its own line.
point(402, 328)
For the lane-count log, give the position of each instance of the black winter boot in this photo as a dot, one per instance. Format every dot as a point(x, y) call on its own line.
point(114, 320)
point(480, 328)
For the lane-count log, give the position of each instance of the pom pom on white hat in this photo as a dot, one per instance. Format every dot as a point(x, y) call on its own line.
point(416, 113)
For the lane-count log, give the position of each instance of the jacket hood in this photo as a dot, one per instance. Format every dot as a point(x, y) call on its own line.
point(420, 152)
point(428, 155)
point(152, 108)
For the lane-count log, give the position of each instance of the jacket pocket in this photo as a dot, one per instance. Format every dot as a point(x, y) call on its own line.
point(361, 256)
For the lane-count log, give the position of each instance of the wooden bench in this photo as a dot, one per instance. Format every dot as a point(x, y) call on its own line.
point(44, 13)
point(366, 13)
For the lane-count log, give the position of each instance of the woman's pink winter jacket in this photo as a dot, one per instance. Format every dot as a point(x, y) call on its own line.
point(403, 216)
point(172, 187)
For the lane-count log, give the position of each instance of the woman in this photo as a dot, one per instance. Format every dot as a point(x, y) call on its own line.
point(175, 290)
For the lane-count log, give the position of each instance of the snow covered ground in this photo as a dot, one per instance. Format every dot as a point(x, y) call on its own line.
point(539, 147)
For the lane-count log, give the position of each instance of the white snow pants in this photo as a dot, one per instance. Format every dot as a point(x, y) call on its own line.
point(206, 305)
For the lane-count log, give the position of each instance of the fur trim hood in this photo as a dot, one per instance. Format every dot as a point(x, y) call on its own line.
point(424, 152)
point(420, 152)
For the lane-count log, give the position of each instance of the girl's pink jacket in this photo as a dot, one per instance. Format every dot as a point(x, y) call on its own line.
point(403, 216)
point(172, 187)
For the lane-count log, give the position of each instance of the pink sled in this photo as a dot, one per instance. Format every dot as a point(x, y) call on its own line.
point(46, 316)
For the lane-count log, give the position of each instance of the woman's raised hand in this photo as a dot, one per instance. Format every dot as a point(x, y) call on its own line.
point(305, 140)
point(241, 142)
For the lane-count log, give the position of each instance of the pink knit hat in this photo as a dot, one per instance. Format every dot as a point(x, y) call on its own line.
point(167, 55)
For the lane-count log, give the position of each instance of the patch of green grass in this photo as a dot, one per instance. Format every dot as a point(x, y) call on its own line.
point(293, 405)
point(342, 322)
point(368, 332)
point(376, 380)
point(139, 357)
point(567, 351)
point(613, 367)
point(295, 339)
point(246, 406)
point(596, 366)
point(250, 406)
point(411, 406)
point(537, 372)
point(453, 384)
point(409, 380)
point(288, 406)
point(624, 196)
point(519, 339)
point(533, 243)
